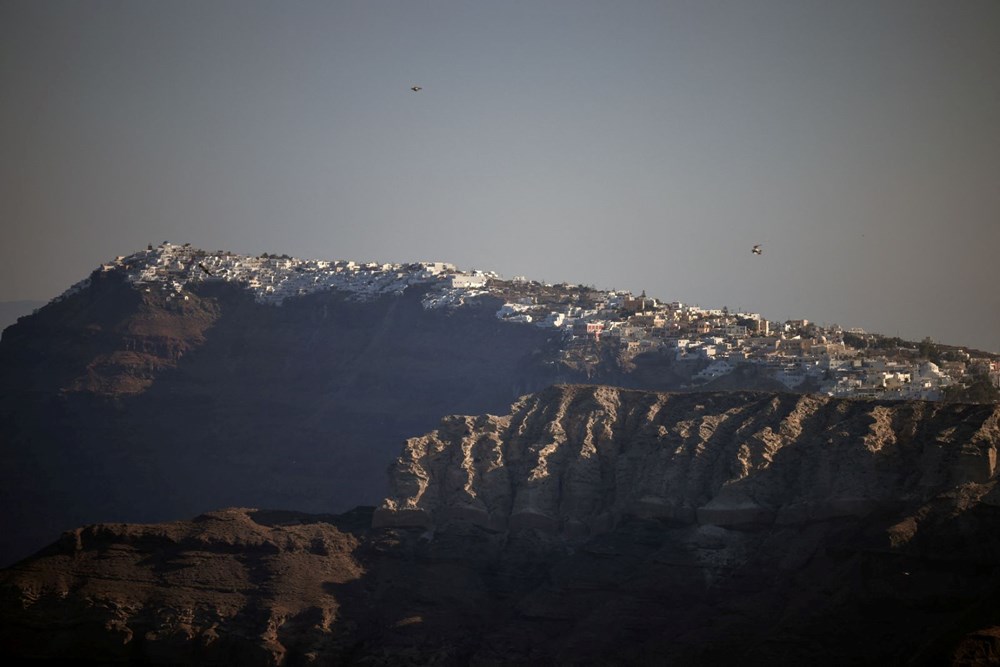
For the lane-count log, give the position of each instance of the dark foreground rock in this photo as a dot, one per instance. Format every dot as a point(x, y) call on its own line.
point(243, 587)
point(611, 527)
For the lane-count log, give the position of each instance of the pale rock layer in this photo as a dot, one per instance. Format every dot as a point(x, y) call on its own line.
point(577, 459)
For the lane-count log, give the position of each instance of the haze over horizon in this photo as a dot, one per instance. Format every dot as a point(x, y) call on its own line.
point(637, 145)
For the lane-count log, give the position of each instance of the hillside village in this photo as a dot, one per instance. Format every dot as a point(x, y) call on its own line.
point(712, 343)
point(272, 278)
point(705, 344)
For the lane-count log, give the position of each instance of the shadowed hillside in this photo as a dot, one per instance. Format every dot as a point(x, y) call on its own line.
point(588, 526)
point(118, 404)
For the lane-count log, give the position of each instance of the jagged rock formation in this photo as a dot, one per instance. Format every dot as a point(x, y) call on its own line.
point(577, 459)
point(589, 526)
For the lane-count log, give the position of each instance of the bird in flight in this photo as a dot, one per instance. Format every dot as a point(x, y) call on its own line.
point(756, 249)
point(416, 89)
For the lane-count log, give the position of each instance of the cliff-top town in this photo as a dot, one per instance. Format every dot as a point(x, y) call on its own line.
point(707, 343)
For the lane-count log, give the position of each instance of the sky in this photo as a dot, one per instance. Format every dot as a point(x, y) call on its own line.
point(628, 145)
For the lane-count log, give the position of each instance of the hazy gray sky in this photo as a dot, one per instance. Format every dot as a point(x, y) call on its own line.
point(636, 145)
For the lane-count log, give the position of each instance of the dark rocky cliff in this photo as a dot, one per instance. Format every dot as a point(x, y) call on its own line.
point(117, 404)
point(132, 402)
point(588, 526)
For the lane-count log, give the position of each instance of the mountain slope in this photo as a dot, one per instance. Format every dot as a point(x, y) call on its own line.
point(174, 381)
point(118, 404)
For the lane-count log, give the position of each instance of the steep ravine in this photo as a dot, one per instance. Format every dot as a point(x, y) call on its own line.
point(590, 525)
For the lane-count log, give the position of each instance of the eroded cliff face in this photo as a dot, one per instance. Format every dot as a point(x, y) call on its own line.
point(576, 459)
point(589, 526)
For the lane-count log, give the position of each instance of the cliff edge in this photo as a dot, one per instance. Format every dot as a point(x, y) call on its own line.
point(577, 459)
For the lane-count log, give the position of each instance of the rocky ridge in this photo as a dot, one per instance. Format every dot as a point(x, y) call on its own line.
point(576, 459)
point(599, 331)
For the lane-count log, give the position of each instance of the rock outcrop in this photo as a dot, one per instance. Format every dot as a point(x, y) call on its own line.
point(590, 525)
point(576, 459)
point(236, 586)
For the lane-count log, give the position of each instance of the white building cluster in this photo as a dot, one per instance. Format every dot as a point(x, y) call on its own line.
point(710, 343)
point(272, 279)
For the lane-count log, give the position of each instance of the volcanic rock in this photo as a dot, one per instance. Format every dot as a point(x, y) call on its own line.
point(577, 459)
